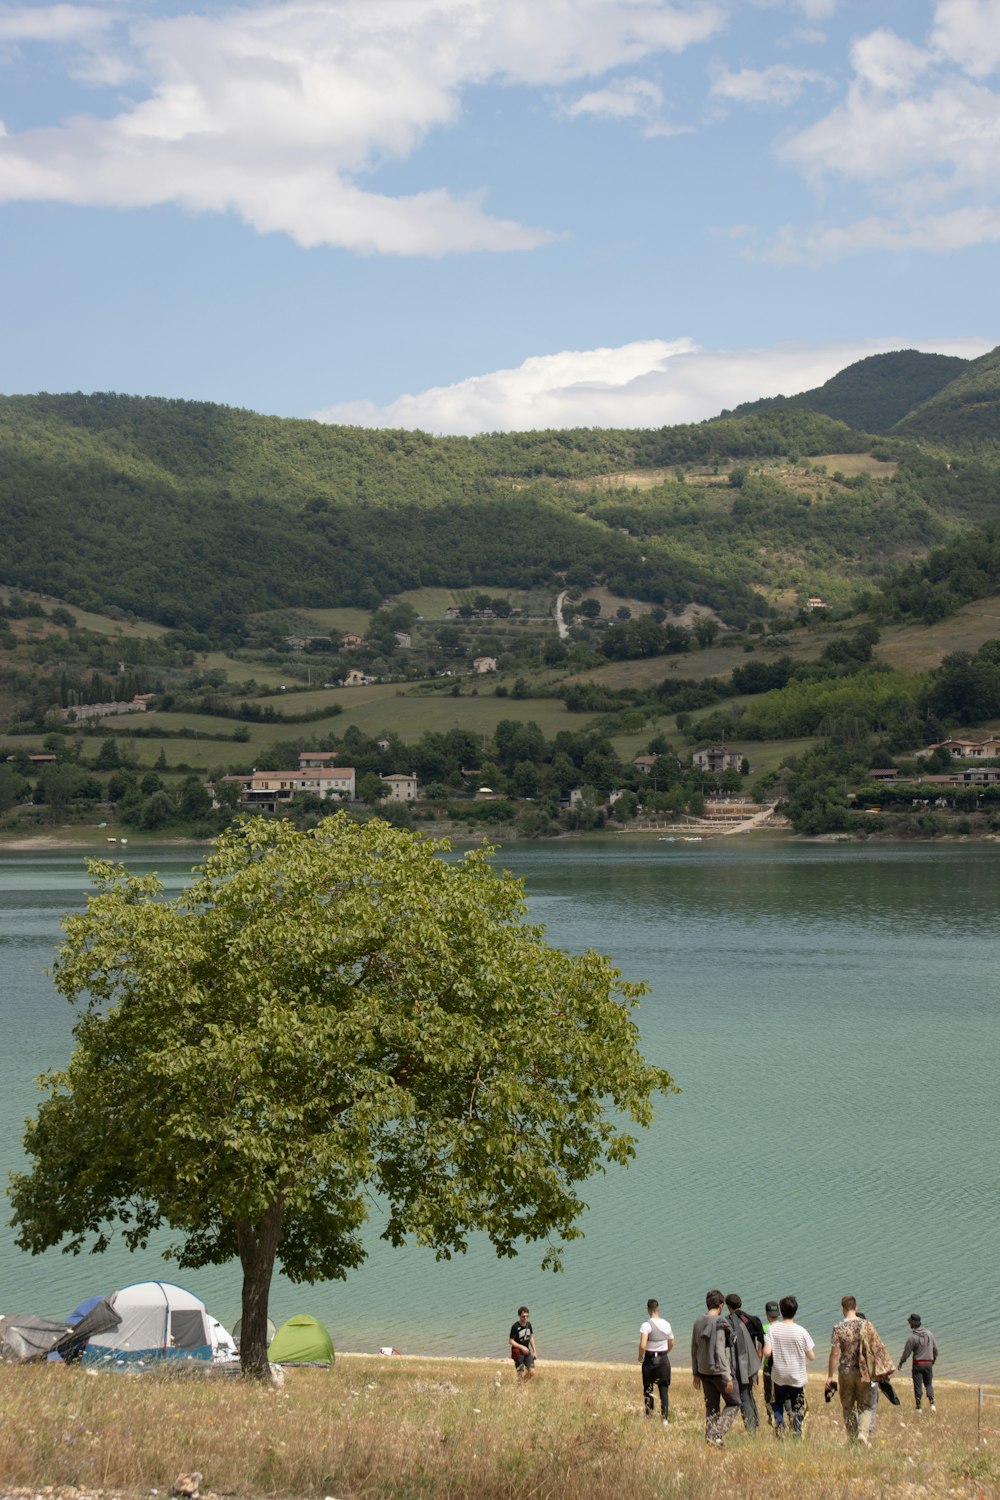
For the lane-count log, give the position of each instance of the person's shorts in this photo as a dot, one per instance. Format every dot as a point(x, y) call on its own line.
point(524, 1361)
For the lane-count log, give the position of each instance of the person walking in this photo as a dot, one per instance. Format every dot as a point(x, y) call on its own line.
point(522, 1346)
point(656, 1339)
point(844, 1372)
point(922, 1345)
point(747, 1344)
point(712, 1370)
point(789, 1346)
point(772, 1313)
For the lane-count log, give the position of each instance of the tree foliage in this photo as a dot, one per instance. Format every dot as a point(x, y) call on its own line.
point(317, 1018)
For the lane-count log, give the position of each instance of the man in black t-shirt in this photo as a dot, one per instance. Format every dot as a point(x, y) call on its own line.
point(522, 1345)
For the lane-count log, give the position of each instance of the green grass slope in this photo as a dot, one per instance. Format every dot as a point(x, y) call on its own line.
point(199, 516)
point(873, 394)
point(963, 414)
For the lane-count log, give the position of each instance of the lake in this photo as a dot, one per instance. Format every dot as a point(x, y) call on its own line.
point(830, 1013)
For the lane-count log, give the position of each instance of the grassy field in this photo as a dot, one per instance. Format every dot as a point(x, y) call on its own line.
point(850, 464)
point(401, 1429)
point(915, 648)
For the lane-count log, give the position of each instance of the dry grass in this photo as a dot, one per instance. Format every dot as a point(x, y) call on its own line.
point(448, 1429)
point(850, 464)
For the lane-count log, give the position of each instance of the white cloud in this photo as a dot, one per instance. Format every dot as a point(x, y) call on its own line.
point(919, 128)
point(778, 84)
point(886, 62)
point(52, 23)
point(967, 32)
point(813, 10)
point(651, 383)
point(935, 233)
point(624, 99)
point(628, 99)
point(275, 112)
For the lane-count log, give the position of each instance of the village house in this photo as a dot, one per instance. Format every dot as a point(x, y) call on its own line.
point(815, 602)
point(350, 642)
point(644, 763)
point(716, 758)
point(403, 639)
point(988, 749)
point(267, 790)
point(402, 787)
point(357, 678)
point(333, 781)
point(484, 664)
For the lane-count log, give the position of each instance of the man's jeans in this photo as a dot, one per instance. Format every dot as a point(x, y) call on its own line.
point(856, 1403)
point(796, 1397)
point(713, 1388)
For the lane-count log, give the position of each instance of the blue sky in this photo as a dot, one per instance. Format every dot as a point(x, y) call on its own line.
point(467, 215)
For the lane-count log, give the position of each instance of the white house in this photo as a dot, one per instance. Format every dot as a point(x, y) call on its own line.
point(268, 789)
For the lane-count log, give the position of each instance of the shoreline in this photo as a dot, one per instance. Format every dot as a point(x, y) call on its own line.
point(85, 843)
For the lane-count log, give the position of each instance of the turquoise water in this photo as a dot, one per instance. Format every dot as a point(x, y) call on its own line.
point(830, 1013)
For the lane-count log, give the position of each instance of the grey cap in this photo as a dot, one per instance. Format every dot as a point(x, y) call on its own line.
point(914, 1320)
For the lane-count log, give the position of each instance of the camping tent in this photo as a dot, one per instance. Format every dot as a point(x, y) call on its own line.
point(158, 1321)
point(24, 1337)
point(301, 1341)
point(237, 1326)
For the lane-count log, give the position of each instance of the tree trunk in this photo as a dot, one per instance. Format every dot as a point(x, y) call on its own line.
point(258, 1246)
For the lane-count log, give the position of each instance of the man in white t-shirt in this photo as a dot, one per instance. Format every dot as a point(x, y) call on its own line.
point(656, 1339)
point(789, 1346)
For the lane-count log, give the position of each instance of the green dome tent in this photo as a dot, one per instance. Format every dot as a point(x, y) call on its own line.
point(301, 1341)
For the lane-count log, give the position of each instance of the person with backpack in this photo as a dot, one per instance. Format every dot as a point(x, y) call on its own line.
point(747, 1346)
point(656, 1339)
point(923, 1347)
point(712, 1369)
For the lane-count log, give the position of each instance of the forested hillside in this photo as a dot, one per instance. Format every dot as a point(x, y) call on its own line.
point(874, 393)
point(965, 413)
point(200, 516)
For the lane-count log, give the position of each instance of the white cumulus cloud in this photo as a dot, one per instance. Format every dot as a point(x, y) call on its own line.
point(967, 32)
point(777, 84)
point(649, 383)
point(919, 129)
point(279, 112)
point(52, 23)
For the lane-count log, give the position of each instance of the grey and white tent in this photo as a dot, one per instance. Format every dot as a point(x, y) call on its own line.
point(158, 1320)
point(25, 1337)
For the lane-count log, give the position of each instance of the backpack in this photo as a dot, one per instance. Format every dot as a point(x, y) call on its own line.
point(752, 1324)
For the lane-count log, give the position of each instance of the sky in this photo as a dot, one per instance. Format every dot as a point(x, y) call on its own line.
point(476, 215)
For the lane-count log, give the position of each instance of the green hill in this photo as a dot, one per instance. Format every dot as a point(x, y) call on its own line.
point(963, 414)
point(200, 516)
point(193, 514)
point(874, 393)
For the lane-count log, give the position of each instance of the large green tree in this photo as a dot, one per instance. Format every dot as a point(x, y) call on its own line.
point(320, 1018)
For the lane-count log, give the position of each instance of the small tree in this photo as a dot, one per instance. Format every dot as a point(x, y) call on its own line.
point(319, 1018)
